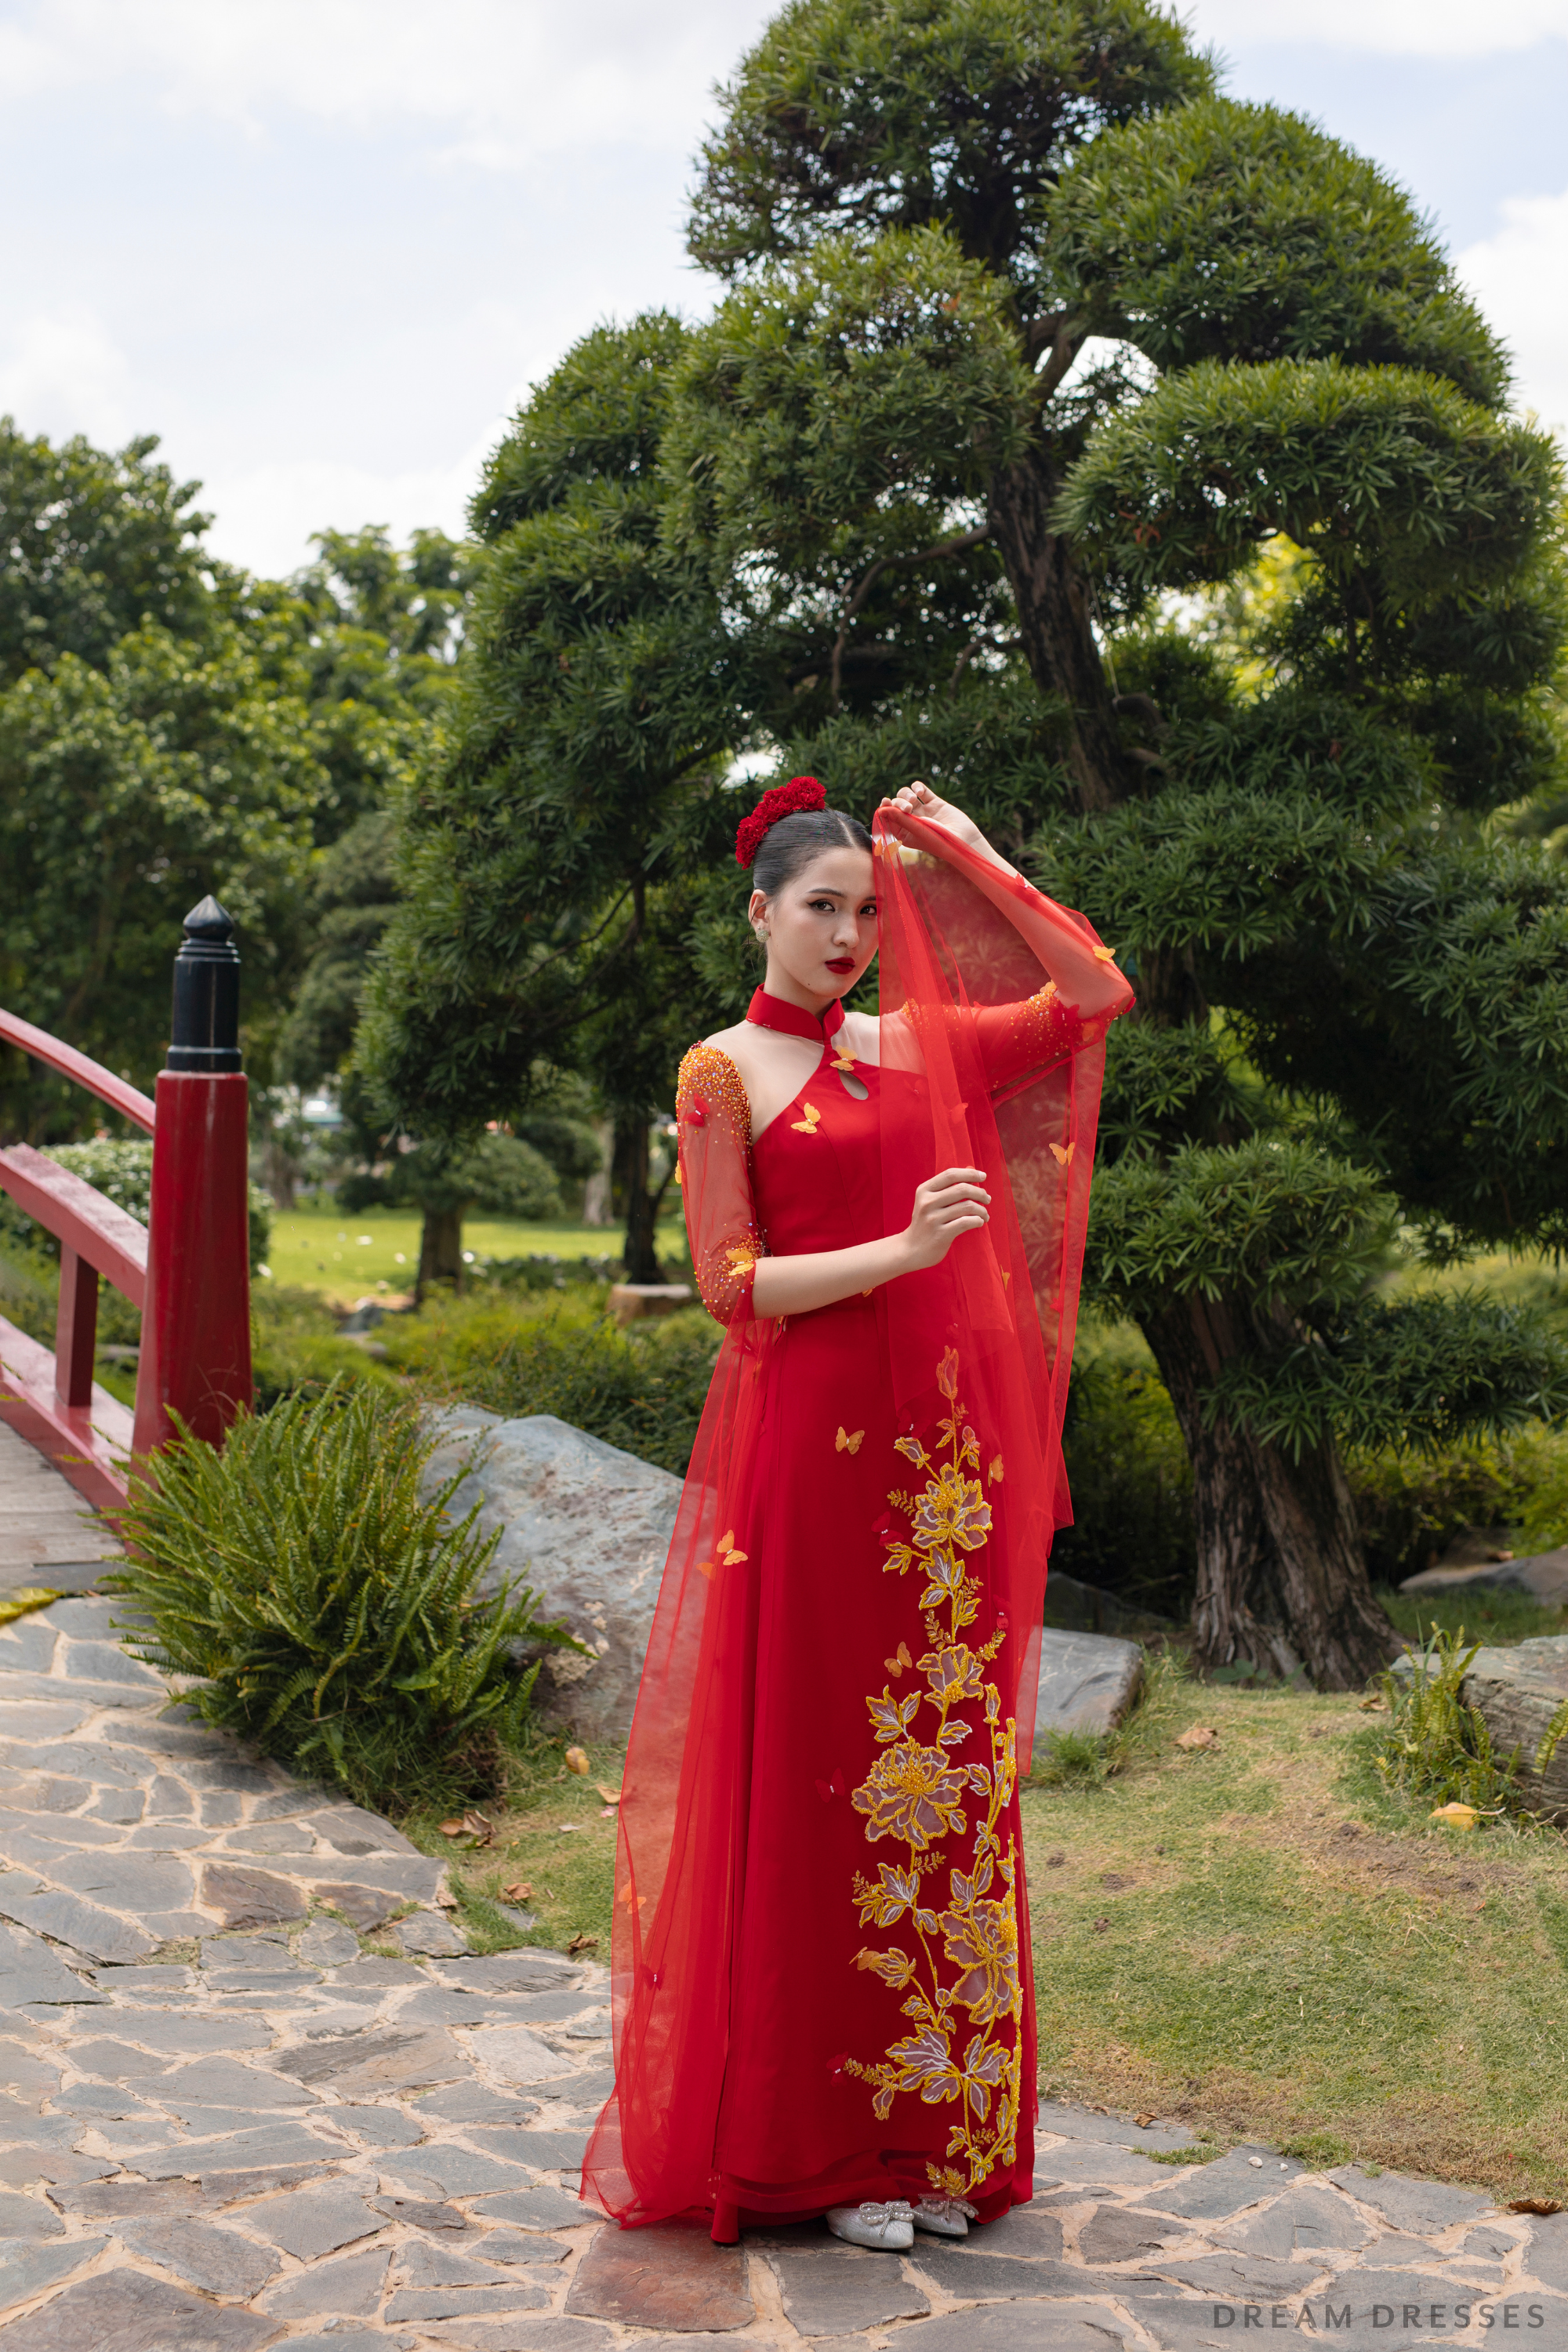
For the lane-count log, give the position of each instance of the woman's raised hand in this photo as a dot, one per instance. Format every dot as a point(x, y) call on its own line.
point(919, 800)
point(953, 1202)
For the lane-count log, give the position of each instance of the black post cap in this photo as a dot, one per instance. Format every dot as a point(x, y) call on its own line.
point(204, 1032)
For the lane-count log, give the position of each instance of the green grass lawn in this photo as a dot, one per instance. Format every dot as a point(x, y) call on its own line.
point(1256, 1937)
point(318, 1248)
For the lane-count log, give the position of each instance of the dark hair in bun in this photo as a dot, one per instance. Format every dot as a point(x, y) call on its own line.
point(794, 840)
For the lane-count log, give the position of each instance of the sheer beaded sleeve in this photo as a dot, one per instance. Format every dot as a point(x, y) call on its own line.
point(1016, 1040)
point(713, 1120)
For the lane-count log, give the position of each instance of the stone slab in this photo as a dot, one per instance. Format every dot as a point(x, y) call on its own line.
point(465, 2302)
point(464, 2172)
point(372, 2058)
point(311, 2221)
point(1546, 2255)
point(516, 2055)
point(1063, 2325)
point(31, 2267)
point(1119, 2131)
point(1423, 2206)
point(546, 2151)
point(1227, 2186)
point(1542, 1574)
point(1518, 1691)
point(1301, 2222)
point(219, 2261)
point(662, 2277)
point(30, 1972)
point(249, 1898)
point(841, 2289)
point(240, 2151)
point(352, 2284)
point(1088, 1682)
point(539, 2209)
point(27, 2217)
point(1101, 2163)
point(132, 2313)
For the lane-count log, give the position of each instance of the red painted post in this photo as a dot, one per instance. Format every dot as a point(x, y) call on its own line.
point(76, 1329)
point(196, 1327)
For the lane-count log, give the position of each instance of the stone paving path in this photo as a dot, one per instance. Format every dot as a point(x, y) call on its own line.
point(224, 2124)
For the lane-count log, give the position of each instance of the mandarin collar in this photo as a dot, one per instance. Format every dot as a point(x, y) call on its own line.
point(774, 1012)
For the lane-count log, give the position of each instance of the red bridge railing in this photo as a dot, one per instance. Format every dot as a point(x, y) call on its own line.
point(188, 1268)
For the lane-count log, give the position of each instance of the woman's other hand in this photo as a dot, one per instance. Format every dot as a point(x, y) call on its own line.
point(953, 1202)
point(919, 800)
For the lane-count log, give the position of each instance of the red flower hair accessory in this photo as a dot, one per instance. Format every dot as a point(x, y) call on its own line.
point(783, 800)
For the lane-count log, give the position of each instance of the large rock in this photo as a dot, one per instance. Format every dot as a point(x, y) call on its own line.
point(587, 1527)
point(1088, 1682)
point(1542, 1574)
point(1518, 1692)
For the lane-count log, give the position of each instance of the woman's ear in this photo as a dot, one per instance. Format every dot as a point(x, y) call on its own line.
point(757, 910)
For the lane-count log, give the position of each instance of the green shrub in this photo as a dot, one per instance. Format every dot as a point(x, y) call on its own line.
point(330, 1612)
point(641, 1390)
point(1410, 1507)
point(122, 1171)
point(296, 1351)
point(1438, 1749)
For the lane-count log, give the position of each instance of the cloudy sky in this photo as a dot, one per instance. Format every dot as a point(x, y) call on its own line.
point(322, 247)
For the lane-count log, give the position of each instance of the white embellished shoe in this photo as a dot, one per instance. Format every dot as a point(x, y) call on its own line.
point(885, 2228)
point(944, 2216)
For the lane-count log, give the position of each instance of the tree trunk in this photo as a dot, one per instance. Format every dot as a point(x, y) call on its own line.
point(1282, 1580)
point(1052, 598)
point(440, 1252)
point(282, 1174)
point(630, 1173)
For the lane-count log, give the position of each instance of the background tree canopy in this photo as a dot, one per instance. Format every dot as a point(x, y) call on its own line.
point(169, 726)
point(1032, 345)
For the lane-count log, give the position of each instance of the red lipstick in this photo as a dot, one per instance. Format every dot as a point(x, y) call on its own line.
point(840, 963)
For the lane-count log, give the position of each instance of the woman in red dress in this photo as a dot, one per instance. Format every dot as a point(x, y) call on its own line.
point(822, 1983)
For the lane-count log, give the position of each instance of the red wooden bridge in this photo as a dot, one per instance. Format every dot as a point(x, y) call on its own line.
point(187, 1268)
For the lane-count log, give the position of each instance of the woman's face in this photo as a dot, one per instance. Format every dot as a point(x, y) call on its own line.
point(820, 928)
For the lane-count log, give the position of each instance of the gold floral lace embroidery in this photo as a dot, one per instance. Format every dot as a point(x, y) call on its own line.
point(709, 1091)
point(963, 1984)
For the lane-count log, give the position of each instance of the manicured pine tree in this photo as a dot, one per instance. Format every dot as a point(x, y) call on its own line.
point(547, 863)
point(1029, 333)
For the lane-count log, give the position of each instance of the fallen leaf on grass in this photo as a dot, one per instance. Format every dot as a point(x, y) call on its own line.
point(472, 1825)
point(1101, 1926)
point(519, 1891)
point(1542, 2206)
point(610, 1796)
point(1200, 1735)
point(577, 1761)
point(582, 1944)
point(1457, 1816)
point(1370, 1706)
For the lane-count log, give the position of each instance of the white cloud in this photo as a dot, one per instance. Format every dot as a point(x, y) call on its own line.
point(510, 79)
point(1519, 276)
point(265, 516)
point(63, 374)
point(1426, 29)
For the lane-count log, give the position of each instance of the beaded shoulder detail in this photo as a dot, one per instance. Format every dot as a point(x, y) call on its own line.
point(709, 1086)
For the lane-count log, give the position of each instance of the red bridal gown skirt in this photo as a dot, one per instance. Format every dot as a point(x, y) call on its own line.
point(865, 2028)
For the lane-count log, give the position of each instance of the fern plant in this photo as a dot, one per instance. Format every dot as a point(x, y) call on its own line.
point(326, 1608)
point(1437, 1745)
